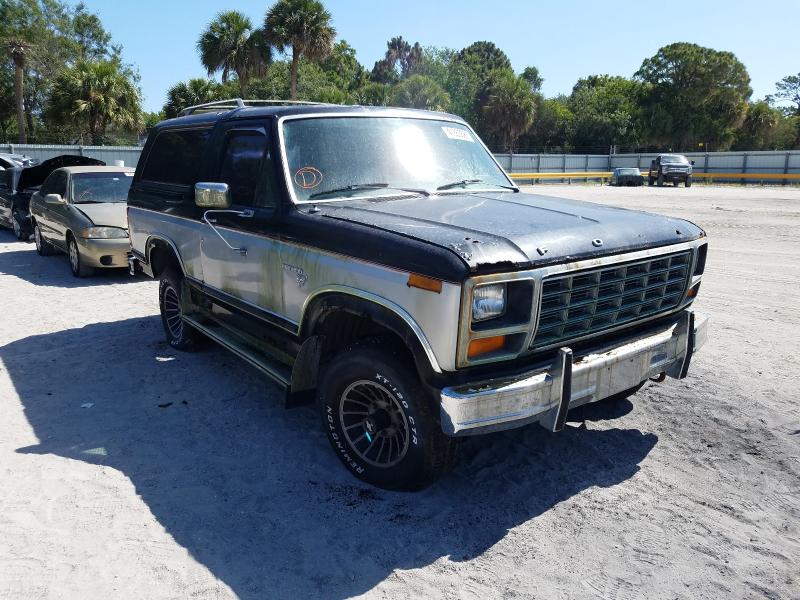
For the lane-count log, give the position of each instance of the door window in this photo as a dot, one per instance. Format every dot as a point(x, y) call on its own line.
point(244, 168)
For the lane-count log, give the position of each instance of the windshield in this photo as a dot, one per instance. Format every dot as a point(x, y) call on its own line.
point(100, 187)
point(628, 171)
point(347, 157)
point(674, 158)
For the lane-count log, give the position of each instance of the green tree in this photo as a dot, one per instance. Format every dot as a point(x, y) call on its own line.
point(303, 25)
point(468, 82)
point(96, 95)
point(694, 94)
point(55, 37)
point(18, 51)
point(552, 128)
point(765, 128)
point(8, 110)
point(373, 94)
point(343, 69)
point(606, 111)
point(422, 92)
point(191, 93)
point(230, 44)
point(508, 111)
point(92, 40)
point(788, 89)
point(400, 61)
point(485, 57)
point(534, 79)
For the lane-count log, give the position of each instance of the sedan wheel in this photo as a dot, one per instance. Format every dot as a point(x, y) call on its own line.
point(43, 247)
point(75, 262)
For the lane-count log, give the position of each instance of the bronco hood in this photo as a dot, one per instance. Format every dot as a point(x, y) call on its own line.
point(106, 214)
point(515, 229)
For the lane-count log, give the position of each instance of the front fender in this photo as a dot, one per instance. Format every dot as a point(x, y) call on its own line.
point(380, 310)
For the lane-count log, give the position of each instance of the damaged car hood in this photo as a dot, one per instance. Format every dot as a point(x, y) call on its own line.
point(106, 214)
point(499, 229)
point(34, 176)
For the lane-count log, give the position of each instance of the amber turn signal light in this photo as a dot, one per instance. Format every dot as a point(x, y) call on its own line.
point(485, 345)
point(425, 283)
point(693, 291)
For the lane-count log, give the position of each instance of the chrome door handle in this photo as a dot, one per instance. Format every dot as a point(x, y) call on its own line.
point(248, 213)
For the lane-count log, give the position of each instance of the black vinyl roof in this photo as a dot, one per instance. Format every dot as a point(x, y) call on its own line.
point(227, 114)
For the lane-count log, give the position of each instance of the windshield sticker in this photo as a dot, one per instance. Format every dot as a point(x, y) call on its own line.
point(307, 177)
point(457, 134)
point(128, 174)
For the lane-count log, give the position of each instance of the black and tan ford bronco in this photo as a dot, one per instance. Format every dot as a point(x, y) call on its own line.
point(379, 262)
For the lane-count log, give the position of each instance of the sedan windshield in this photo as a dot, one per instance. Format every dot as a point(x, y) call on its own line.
point(629, 171)
point(100, 187)
point(349, 157)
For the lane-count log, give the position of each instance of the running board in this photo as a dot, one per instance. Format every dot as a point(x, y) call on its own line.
point(276, 371)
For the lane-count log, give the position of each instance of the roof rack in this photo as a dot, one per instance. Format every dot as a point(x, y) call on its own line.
point(233, 103)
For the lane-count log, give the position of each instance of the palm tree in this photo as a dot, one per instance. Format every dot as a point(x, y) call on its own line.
point(190, 93)
point(96, 95)
point(509, 109)
point(231, 45)
point(18, 50)
point(304, 25)
point(420, 91)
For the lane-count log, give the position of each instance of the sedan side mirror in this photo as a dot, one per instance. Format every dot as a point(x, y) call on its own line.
point(54, 199)
point(212, 195)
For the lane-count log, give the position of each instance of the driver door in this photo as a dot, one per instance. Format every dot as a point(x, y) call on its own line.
point(240, 259)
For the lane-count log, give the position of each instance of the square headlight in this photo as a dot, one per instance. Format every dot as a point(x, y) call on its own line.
point(488, 301)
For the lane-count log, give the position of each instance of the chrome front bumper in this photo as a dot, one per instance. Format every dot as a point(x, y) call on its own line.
point(546, 394)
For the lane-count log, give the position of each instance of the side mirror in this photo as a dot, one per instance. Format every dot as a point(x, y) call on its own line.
point(212, 195)
point(691, 161)
point(54, 199)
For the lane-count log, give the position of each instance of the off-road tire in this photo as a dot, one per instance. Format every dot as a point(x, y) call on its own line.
point(76, 262)
point(370, 379)
point(688, 182)
point(43, 247)
point(21, 232)
point(650, 180)
point(660, 180)
point(170, 293)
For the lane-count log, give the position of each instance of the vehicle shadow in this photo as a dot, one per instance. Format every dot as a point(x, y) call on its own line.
point(254, 492)
point(52, 271)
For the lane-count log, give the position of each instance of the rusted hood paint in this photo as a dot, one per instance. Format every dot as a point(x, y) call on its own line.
point(501, 230)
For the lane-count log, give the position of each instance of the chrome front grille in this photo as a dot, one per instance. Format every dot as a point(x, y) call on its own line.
point(593, 300)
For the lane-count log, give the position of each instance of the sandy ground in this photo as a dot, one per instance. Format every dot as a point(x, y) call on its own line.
point(128, 470)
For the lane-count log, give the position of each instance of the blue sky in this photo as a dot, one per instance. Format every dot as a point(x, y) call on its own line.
point(565, 40)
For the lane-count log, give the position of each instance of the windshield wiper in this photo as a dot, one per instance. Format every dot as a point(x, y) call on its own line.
point(367, 186)
point(466, 182)
point(460, 182)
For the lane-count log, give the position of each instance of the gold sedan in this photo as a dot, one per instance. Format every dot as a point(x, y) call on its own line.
point(82, 211)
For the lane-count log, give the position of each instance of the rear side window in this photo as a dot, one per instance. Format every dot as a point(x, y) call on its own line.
point(242, 165)
point(175, 156)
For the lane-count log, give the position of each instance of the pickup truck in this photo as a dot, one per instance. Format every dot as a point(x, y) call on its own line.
point(674, 168)
point(380, 263)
